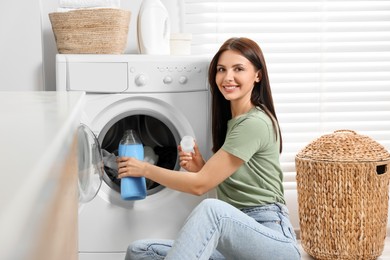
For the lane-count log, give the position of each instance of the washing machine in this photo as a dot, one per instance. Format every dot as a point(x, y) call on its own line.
point(163, 98)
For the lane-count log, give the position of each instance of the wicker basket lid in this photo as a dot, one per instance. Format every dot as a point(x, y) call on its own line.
point(344, 146)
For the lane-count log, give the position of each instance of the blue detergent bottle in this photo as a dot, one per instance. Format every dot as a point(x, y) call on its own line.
point(132, 188)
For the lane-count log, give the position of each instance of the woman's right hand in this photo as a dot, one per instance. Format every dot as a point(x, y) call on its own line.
point(192, 161)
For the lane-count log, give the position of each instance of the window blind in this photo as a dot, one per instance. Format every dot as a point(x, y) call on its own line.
point(328, 62)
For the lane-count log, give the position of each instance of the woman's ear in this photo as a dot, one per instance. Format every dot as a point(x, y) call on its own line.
point(259, 76)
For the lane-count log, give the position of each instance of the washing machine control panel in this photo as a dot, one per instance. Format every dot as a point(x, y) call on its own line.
point(132, 73)
point(168, 76)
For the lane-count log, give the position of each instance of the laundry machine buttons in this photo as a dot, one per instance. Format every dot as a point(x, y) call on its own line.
point(141, 80)
point(183, 80)
point(167, 80)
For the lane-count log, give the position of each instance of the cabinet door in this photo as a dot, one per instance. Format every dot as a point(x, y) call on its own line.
point(56, 235)
point(90, 164)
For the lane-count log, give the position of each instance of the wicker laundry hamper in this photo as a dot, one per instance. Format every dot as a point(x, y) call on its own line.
point(91, 31)
point(343, 189)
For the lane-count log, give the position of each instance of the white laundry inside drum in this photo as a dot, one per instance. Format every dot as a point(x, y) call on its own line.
point(159, 143)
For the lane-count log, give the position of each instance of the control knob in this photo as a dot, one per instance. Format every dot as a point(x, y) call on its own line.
point(167, 80)
point(183, 80)
point(140, 80)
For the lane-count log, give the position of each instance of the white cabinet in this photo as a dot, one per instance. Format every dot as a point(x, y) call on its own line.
point(56, 238)
point(38, 190)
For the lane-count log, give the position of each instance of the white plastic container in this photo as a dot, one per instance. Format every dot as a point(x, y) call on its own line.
point(154, 28)
point(187, 144)
point(181, 43)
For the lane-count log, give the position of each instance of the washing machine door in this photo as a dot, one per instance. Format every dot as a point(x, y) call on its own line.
point(90, 163)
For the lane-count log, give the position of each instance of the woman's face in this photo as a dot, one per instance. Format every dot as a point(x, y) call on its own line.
point(235, 76)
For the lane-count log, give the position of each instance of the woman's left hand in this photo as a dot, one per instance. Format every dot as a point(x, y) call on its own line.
point(130, 167)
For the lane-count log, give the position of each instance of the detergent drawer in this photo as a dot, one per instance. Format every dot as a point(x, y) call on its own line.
point(99, 77)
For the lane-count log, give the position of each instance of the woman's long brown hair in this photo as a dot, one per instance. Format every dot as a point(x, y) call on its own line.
point(261, 93)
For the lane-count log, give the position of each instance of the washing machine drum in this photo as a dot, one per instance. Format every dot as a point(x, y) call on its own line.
point(159, 143)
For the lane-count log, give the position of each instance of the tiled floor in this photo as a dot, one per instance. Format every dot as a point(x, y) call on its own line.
point(385, 255)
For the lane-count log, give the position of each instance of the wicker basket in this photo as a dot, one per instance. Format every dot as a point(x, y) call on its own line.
point(91, 31)
point(343, 189)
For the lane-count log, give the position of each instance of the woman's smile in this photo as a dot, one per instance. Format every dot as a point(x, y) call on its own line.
point(230, 88)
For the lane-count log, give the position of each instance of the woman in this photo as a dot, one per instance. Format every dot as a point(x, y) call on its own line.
point(249, 220)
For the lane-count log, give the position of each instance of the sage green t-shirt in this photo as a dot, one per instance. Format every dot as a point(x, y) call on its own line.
point(258, 181)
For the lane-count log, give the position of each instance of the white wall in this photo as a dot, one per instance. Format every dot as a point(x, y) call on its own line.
point(20, 46)
point(27, 56)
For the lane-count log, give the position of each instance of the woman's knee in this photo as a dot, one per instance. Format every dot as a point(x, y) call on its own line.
point(208, 205)
point(213, 203)
point(213, 207)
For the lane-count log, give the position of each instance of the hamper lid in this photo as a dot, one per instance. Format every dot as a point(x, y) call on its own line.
point(344, 146)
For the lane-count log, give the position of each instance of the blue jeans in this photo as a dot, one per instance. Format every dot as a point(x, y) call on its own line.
point(217, 230)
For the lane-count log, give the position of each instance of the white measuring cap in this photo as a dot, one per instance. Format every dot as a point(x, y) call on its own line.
point(187, 144)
